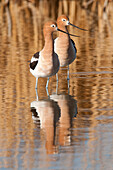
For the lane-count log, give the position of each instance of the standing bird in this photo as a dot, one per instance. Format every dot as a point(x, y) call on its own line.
point(46, 63)
point(64, 45)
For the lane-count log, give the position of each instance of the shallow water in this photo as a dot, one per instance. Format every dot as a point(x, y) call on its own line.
point(74, 128)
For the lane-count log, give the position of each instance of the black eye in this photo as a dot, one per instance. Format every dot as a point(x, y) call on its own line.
point(52, 25)
point(63, 19)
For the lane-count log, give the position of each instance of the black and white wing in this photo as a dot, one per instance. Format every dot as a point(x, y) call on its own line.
point(34, 60)
point(74, 45)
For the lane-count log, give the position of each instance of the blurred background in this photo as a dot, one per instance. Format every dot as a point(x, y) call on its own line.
point(85, 141)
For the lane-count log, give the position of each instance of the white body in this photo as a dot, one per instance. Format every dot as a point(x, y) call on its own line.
point(46, 67)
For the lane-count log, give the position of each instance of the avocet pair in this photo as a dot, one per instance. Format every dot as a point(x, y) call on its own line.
point(56, 53)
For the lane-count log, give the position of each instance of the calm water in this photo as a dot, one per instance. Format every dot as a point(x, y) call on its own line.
point(73, 129)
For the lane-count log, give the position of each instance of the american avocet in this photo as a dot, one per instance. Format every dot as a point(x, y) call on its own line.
point(46, 63)
point(64, 45)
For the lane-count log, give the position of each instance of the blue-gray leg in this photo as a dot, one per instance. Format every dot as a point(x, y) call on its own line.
point(47, 86)
point(56, 83)
point(68, 78)
point(68, 73)
point(56, 76)
point(56, 87)
point(36, 83)
point(68, 86)
point(36, 94)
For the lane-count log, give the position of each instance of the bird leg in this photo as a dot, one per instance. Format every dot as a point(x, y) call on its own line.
point(56, 87)
point(68, 73)
point(36, 83)
point(68, 87)
point(47, 87)
point(36, 94)
point(56, 83)
point(56, 76)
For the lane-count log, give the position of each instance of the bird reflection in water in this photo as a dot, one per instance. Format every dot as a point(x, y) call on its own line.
point(48, 112)
point(68, 107)
point(56, 115)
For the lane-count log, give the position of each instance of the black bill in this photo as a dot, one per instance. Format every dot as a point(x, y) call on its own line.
point(67, 33)
point(77, 27)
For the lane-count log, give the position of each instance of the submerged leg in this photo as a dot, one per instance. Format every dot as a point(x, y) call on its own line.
point(47, 86)
point(36, 83)
point(68, 73)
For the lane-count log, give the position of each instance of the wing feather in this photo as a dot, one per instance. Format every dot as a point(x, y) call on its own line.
point(74, 45)
point(34, 60)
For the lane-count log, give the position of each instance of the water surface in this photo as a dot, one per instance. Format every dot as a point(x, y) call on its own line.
point(72, 129)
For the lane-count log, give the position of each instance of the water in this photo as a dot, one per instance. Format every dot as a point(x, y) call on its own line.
point(73, 129)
